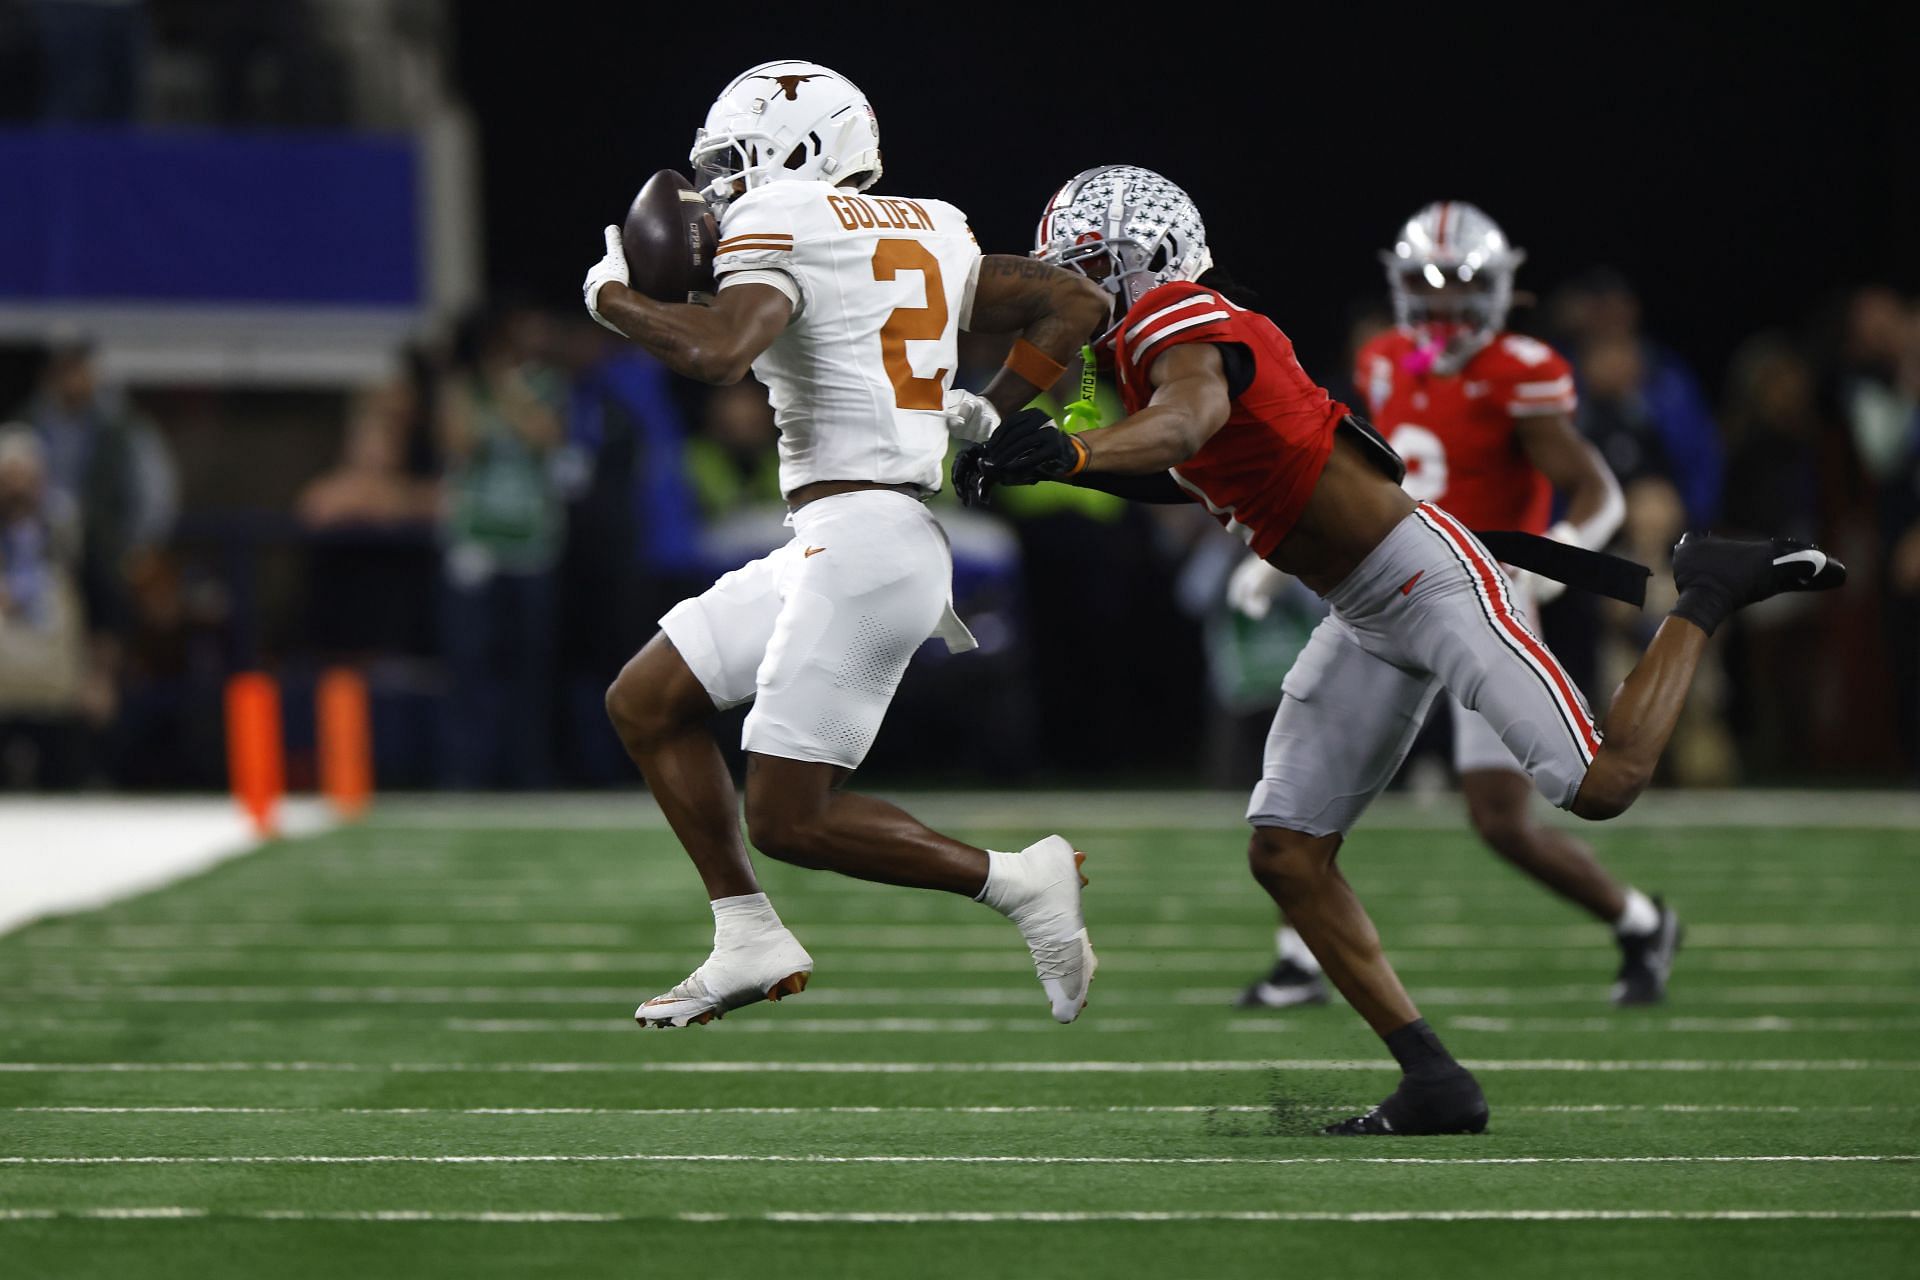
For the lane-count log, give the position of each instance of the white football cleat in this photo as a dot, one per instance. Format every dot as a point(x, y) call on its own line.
point(1038, 889)
point(766, 967)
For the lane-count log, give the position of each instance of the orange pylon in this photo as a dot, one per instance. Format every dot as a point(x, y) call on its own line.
point(256, 754)
point(345, 735)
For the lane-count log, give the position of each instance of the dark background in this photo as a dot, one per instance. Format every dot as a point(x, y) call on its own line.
point(1742, 167)
point(1749, 171)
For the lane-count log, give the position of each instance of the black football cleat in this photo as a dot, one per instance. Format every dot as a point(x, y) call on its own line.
point(1286, 986)
point(1451, 1103)
point(1750, 570)
point(1717, 575)
point(1646, 961)
point(1801, 566)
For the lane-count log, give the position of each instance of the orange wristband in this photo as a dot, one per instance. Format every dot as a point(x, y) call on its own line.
point(1036, 366)
point(1084, 452)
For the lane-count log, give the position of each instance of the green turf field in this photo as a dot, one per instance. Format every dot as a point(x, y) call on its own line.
point(405, 1049)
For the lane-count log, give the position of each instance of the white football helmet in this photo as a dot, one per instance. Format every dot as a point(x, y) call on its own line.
point(1126, 228)
point(1451, 274)
point(782, 120)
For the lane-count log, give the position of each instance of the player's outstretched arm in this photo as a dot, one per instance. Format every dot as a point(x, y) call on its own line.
point(1575, 468)
point(1190, 402)
point(715, 344)
point(1052, 310)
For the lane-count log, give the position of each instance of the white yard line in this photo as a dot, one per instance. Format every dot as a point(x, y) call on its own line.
point(1206, 1066)
point(1617, 1025)
point(1590, 994)
point(1595, 994)
point(620, 1024)
point(104, 963)
point(547, 1217)
point(640, 1157)
point(1072, 812)
point(543, 937)
point(806, 1026)
point(1666, 1108)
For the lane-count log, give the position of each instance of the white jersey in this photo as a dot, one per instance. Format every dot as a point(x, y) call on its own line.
point(881, 286)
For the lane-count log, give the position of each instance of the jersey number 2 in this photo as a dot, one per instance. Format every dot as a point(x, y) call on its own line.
point(911, 324)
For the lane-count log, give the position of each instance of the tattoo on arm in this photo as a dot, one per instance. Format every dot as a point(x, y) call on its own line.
point(1054, 309)
point(1016, 267)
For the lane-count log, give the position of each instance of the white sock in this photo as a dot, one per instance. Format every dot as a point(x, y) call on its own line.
point(1639, 918)
point(745, 915)
point(1000, 880)
point(1012, 881)
point(1291, 946)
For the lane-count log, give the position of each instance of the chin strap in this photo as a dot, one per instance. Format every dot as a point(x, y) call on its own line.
point(1444, 356)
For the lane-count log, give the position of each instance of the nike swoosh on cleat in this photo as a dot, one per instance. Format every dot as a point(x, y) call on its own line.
point(1818, 559)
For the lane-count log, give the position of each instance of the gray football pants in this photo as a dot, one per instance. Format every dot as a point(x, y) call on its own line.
point(1428, 609)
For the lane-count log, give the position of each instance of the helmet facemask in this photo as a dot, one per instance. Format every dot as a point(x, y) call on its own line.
point(1442, 302)
point(728, 165)
point(1450, 273)
point(1125, 268)
point(1126, 229)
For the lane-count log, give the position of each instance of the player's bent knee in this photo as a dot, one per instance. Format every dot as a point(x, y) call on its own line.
point(1290, 864)
point(655, 696)
point(785, 835)
point(1506, 832)
point(637, 717)
point(1610, 788)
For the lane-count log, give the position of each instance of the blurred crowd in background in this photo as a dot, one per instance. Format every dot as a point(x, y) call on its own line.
point(490, 532)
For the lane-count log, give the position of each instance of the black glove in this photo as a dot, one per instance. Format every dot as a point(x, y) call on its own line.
point(970, 480)
point(1027, 448)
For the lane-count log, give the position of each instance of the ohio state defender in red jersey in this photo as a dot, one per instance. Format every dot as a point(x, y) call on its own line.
point(1257, 472)
point(1220, 412)
point(1483, 419)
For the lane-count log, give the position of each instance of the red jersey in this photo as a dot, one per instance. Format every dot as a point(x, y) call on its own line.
point(1457, 431)
point(1256, 473)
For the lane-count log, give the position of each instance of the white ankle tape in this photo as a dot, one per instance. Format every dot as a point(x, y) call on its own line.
point(752, 911)
point(1639, 917)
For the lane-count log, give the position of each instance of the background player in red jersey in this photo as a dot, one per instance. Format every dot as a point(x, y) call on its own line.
point(1483, 419)
point(1220, 412)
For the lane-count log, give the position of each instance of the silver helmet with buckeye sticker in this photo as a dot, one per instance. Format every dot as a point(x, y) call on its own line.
point(1126, 228)
point(1451, 271)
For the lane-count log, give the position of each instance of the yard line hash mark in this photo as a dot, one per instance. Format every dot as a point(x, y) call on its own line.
point(137, 1213)
point(743, 1158)
point(971, 1068)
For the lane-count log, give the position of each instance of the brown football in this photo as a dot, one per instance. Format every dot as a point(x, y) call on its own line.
point(669, 234)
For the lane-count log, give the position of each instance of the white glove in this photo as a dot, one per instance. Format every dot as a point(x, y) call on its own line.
point(970, 417)
point(1253, 586)
point(612, 267)
point(1543, 590)
point(1546, 590)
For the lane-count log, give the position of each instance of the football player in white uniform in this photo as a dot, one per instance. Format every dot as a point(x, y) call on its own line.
point(847, 306)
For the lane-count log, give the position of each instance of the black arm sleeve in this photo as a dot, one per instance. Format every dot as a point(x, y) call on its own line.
point(1158, 487)
point(1237, 363)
